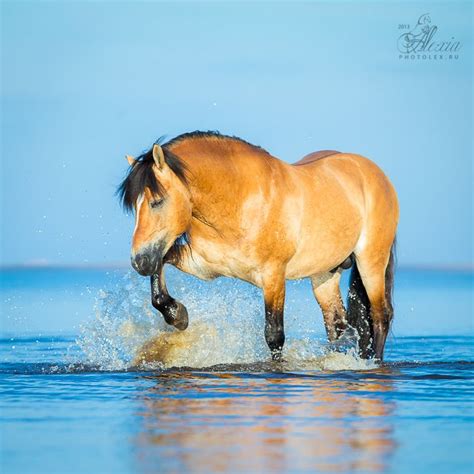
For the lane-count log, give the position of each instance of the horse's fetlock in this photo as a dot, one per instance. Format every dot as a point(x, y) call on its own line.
point(158, 300)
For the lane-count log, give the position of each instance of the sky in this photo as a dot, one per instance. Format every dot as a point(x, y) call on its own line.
point(84, 83)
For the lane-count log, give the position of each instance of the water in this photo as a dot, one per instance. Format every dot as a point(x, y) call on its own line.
point(76, 398)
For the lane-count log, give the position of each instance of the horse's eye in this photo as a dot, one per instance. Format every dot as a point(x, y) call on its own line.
point(156, 203)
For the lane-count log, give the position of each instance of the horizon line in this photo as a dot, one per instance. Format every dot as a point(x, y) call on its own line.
point(467, 267)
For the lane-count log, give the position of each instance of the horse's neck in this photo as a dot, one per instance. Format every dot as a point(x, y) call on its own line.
point(215, 187)
point(220, 181)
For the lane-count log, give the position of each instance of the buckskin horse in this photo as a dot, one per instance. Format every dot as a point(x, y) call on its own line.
point(214, 205)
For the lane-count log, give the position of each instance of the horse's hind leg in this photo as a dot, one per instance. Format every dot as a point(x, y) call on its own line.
point(375, 266)
point(328, 294)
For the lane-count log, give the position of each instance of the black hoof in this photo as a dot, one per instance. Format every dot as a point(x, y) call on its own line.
point(175, 314)
point(181, 320)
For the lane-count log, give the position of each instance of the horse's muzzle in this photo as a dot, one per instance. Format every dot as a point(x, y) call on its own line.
point(146, 263)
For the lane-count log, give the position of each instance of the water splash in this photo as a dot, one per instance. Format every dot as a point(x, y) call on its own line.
point(226, 328)
point(224, 324)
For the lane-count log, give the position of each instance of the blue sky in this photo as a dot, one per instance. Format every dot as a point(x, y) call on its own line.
point(85, 83)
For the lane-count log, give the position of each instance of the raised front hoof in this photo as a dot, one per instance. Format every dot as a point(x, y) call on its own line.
point(175, 314)
point(181, 321)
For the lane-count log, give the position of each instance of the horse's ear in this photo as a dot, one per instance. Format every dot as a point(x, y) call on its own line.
point(130, 159)
point(158, 156)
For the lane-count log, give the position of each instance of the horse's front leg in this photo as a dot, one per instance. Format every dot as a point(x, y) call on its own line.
point(174, 312)
point(274, 296)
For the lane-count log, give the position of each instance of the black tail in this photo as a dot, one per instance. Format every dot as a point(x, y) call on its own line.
point(389, 280)
point(358, 305)
point(358, 313)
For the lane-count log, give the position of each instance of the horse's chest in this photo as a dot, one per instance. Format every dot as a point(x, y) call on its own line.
point(214, 261)
point(194, 264)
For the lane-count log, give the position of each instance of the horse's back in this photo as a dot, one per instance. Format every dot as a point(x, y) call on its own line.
point(349, 168)
point(317, 155)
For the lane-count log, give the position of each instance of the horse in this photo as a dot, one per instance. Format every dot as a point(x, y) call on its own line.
point(214, 205)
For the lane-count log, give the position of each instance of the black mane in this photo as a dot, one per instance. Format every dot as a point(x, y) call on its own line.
point(211, 134)
point(140, 175)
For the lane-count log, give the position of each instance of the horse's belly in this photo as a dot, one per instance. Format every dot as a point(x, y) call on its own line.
point(321, 250)
point(304, 265)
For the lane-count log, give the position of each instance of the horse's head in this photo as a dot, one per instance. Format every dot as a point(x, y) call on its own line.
point(155, 188)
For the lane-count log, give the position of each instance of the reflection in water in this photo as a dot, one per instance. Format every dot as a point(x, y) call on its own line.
point(268, 422)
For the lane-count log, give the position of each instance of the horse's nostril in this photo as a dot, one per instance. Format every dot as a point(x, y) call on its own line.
point(145, 262)
point(142, 263)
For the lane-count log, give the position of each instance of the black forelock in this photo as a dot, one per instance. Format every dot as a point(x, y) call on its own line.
point(140, 176)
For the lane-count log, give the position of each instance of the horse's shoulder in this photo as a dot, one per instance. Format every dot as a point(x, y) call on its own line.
point(315, 156)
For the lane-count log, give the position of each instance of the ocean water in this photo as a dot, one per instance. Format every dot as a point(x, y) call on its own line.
point(93, 380)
